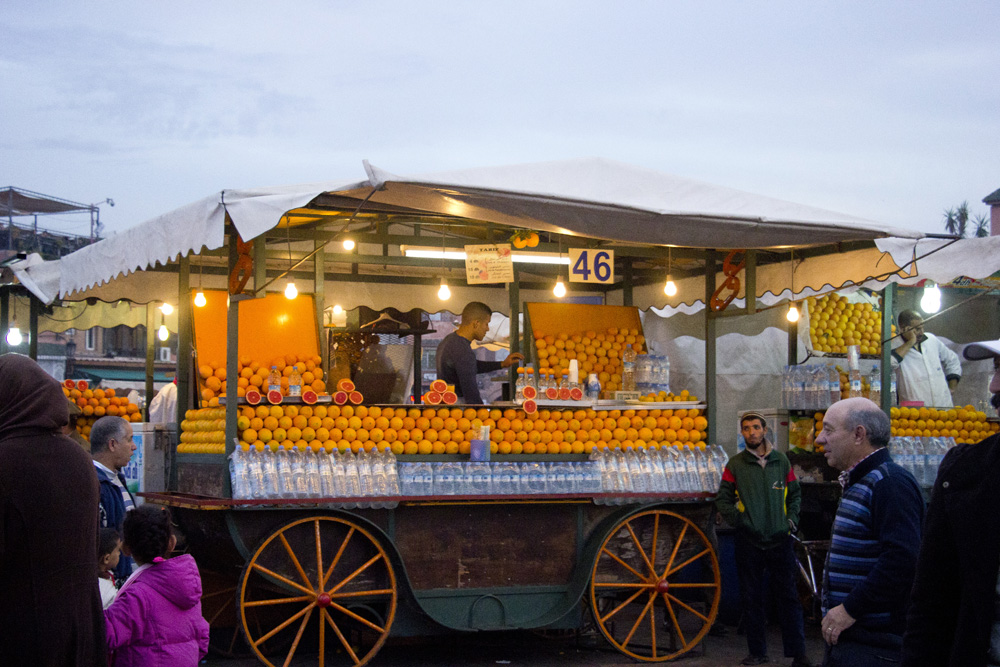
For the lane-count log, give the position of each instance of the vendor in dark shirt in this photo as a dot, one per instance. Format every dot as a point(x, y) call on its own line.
point(457, 363)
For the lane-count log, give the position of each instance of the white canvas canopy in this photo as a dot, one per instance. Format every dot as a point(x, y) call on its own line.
point(591, 197)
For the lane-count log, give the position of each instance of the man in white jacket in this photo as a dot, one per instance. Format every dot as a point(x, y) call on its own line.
point(928, 370)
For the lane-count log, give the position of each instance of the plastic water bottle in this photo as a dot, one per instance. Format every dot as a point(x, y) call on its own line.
point(300, 472)
point(239, 476)
point(352, 483)
point(628, 368)
point(536, 478)
point(269, 471)
point(314, 482)
point(875, 385)
point(295, 382)
point(480, 479)
point(286, 486)
point(391, 468)
point(325, 462)
point(812, 398)
point(274, 379)
point(337, 475)
point(834, 384)
point(444, 479)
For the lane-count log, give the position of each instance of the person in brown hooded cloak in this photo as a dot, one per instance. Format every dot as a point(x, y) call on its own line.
point(50, 604)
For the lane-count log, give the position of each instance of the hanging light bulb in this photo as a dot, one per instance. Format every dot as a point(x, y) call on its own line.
point(14, 337)
point(348, 244)
point(560, 289)
point(162, 333)
point(930, 302)
point(793, 313)
point(670, 289)
point(291, 291)
point(337, 309)
point(443, 292)
point(166, 309)
point(200, 300)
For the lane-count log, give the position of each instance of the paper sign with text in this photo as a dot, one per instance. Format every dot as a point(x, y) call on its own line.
point(488, 264)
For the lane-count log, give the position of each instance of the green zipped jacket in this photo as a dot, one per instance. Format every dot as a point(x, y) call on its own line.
point(760, 500)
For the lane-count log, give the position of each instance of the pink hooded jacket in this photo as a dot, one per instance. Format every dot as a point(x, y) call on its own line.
point(156, 620)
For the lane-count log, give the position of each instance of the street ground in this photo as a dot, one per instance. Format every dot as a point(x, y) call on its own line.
point(527, 649)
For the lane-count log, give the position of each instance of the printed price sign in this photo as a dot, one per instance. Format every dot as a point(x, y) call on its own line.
point(590, 265)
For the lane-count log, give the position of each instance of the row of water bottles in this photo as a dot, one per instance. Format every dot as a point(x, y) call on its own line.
point(810, 387)
point(652, 373)
point(664, 470)
point(920, 456)
point(453, 478)
point(293, 473)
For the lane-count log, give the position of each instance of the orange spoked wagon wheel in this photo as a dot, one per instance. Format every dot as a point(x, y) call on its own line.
point(324, 583)
point(655, 586)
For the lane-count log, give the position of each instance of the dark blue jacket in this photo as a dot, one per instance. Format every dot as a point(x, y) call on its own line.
point(113, 515)
point(875, 542)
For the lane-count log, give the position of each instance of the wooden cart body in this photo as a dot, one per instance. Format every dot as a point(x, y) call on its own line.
point(430, 565)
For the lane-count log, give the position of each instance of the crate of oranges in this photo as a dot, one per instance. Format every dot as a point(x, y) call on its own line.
point(964, 424)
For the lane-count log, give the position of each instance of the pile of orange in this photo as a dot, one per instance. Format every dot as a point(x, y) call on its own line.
point(97, 403)
point(450, 430)
point(203, 431)
point(964, 424)
point(599, 353)
point(667, 397)
point(252, 373)
point(834, 324)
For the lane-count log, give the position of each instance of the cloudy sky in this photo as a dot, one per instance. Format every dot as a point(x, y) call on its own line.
point(885, 110)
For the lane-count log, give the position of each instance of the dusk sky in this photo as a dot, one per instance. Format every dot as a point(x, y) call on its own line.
point(886, 110)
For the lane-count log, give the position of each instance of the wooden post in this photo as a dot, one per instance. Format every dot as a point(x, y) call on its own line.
point(150, 354)
point(627, 280)
point(711, 412)
point(514, 299)
point(184, 347)
point(888, 297)
point(750, 293)
point(319, 300)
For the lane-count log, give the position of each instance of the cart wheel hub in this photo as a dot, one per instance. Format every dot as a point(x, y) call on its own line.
point(662, 586)
point(323, 600)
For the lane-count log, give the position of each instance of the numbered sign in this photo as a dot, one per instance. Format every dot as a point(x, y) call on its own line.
point(591, 265)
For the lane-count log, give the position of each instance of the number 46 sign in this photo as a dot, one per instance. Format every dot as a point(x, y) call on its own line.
point(590, 265)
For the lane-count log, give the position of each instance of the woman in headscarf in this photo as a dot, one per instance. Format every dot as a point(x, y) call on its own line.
point(50, 604)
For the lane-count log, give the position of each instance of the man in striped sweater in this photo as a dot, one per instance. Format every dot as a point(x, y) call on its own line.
point(875, 541)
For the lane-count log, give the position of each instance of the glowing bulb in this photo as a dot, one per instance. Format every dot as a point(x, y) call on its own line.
point(166, 309)
point(670, 289)
point(162, 332)
point(793, 313)
point(930, 302)
point(200, 300)
point(290, 291)
point(560, 289)
point(444, 293)
point(348, 244)
point(14, 337)
point(338, 309)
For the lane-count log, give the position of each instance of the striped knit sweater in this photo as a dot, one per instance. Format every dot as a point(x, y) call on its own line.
point(875, 541)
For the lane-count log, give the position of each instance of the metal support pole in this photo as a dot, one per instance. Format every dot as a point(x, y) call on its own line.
point(4, 318)
point(627, 279)
point(34, 306)
point(793, 343)
point(750, 293)
point(150, 354)
point(184, 344)
point(259, 264)
point(888, 298)
point(514, 300)
point(232, 367)
point(319, 300)
point(711, 413)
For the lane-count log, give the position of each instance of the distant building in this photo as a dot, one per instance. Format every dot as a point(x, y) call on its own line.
point(993, 199)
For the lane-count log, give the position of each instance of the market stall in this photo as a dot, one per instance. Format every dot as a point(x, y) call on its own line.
point(612, 233)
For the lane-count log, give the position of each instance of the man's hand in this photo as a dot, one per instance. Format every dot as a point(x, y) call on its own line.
point(910, 335)
point(836, 621)
point(511, 358)
point(792, 527)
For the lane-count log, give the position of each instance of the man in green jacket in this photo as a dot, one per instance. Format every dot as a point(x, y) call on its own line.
point(760, 497)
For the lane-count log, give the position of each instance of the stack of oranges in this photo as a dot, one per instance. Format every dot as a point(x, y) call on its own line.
point(835, 324)
point(203, 431)
point(213, 382)
point(97, 403)
point(964, 424)
point(599, 353)
point(442, 430)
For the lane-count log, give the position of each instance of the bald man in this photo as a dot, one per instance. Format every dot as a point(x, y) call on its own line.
point(875, 541)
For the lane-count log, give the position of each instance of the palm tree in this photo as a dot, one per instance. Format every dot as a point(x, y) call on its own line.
point(982, 224)
point(956, 220)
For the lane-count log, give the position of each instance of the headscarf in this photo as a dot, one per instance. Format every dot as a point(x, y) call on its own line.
point(31, 400)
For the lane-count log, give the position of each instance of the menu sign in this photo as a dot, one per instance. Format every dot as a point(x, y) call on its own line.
point(488, 264)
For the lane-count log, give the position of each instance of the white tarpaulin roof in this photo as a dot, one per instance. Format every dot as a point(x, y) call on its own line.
point(589, 197)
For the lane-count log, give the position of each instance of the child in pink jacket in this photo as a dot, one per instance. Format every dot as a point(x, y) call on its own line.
point(155, 620)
